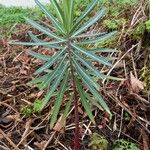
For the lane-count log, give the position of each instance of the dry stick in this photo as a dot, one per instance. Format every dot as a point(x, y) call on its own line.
point(87, 129)
point(51, 137)
point(62, 145)
point(136, 117)
point(33, 130)
point(9, 140)
point(119, 61)
point(133, 64)
point(121, 123)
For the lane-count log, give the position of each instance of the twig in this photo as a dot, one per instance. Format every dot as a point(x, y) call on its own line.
point(121, 123)
point(9, 140)
point(119, 61)
point(51, 137)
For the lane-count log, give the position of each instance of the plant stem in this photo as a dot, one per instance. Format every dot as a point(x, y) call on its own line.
point(76, 138)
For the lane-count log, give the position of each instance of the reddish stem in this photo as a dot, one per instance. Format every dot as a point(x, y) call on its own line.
point(76, 139)
point(77, 134)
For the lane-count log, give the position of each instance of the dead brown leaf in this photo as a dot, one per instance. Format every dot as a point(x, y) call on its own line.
point(40, 145)
point(136, 84)
point(59, 125)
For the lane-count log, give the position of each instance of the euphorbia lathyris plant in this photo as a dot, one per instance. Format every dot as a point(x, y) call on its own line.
point(73, 69)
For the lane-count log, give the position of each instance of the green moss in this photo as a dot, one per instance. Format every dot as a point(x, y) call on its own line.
point(114, 24)
point(147, 23)
point(145, 76)
point(108, 43)
point(122, 144)
point(98, 142)
point(138, 32)
point(26, 111)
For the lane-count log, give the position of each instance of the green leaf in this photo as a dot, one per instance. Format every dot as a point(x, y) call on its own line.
point(71, 14)
point(81, 71)
point(37, 44)
point(55, 85)
point(97, 95)
point(58, 10)
point(84, 14)
point(66, 111)
point(39, 56)
point(58, 101)
point(50, 16)
point(93, 68)
point(100, 59)
point(43, 29)
point(39, 79)
point(102, 50)
point(89, 35)
point(90, 22)
point(53, 74)
point(51, 62)
point(92, 100)
point(98, 39)
point(37, 40)
point(84, 101)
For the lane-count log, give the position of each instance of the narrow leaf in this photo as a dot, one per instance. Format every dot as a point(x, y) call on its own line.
point(58, 10)
point(39, 79)
point(92, 100)
point(37, 40)
point(39, 56)
point(102, 50)
point(50, 16)
point(36, 44)
point(58, 102)
point(100, 59)
point(43, 29)
point(84, 14)
point(90, 22)
point(54, 73)
point(89, 35)
point(54, 86)
point(67, 109)
point(97, 95)
point(51, 62)
point(98, 39)
point(84, 75)
point(84, 101)
point(93, 68)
